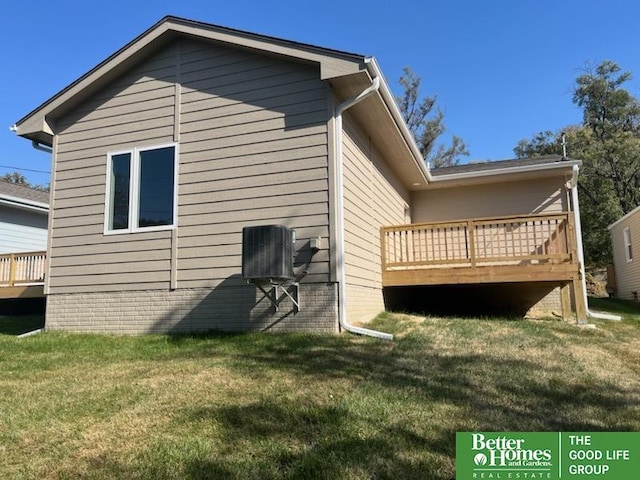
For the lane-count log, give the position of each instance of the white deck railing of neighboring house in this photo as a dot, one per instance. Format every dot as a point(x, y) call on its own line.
point(26, 268)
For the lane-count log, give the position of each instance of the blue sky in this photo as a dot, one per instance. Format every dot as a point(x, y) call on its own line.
point(502, 69)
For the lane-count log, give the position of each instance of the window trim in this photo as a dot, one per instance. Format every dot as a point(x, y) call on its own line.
point(134, 190)
point(628, 245)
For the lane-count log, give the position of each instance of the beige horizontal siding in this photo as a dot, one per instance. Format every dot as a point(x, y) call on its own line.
point(67, 255)
point(373, 197)
point(194, 238)
point(137, 109)
point(200, 162)
point(253, 150)
point(543, 195)
point(91, 173)
point(627, 273)
point(77, 285)
point(224, 206)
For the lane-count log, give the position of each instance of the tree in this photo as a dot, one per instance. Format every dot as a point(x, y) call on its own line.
point(15, 178)
point(608, 143)
point(426, 127)
point(19, 179)
point(612, 114)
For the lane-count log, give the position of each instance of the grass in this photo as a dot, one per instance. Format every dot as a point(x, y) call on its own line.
point(268, 406)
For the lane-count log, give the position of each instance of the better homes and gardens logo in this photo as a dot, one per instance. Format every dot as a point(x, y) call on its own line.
point(509, 455)
point(547, 455)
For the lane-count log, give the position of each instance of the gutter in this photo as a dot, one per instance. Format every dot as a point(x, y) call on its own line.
point(342, 287)
point(24, 204)
point(507, 171)
point(41, 147)
point(578, 225)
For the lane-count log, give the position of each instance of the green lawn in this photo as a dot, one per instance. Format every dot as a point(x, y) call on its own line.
point(270, 406)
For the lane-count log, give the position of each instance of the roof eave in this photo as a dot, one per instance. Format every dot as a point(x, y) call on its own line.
point(389, 100)
point(332, 63)
point(565, 164)
point(624, 217)
point(24, 204)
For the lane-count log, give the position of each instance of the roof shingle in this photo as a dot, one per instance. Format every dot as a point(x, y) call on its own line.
point(497, 165)
point(22, 192)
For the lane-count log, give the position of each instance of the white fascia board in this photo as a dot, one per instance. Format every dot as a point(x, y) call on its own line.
point(507, 171)
point(389, 100)
point(24, 204)
point(624, 217)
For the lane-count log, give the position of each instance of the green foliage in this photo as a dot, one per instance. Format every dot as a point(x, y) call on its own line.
point(544, 143)
point(608, 143)
point(19, 179)
point(426, 125)
point(16, 178)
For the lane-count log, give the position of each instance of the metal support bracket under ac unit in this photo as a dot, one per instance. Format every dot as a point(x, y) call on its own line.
point(272, 294)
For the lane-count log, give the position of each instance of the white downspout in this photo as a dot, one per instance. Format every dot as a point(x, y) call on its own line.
point(342, 288)
point(576, 217)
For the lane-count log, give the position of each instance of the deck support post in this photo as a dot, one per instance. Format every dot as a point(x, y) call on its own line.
point(565, 301)
point(581, 308)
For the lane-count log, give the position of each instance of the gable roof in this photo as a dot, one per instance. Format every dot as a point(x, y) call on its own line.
point(20, 196)
point(347, 73)
point(332, 63)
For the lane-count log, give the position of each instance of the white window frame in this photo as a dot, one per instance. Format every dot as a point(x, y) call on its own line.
point(134, 190)
point(628, 245)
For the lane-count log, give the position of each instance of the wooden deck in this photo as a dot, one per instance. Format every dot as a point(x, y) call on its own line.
point(530, 248)
point(22, 274)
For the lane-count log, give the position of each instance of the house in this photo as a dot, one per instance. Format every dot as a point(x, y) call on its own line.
point(24, 215)
point(23, 218)
point(624, 280)
point(167, 149)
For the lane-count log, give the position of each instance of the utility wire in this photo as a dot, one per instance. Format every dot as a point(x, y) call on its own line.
point(24, 169)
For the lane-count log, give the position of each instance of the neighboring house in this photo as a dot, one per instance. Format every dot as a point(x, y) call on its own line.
point(23, 218)
point(625, 239)
point(168, 148)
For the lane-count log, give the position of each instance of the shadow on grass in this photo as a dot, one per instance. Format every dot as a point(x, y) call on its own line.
point(615, 305)
point(17, 325)
point(309, 439)
point(395, 417)
point(312, 441)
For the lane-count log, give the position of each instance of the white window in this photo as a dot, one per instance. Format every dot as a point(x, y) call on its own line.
point(628, 249)
point(141, 189)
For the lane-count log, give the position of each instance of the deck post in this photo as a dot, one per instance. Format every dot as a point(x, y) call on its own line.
point(383, 249)
point(565, 300)
point(581, 308)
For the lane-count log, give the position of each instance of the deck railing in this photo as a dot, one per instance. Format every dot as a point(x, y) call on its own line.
point(22, 268)
point(529, 239)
